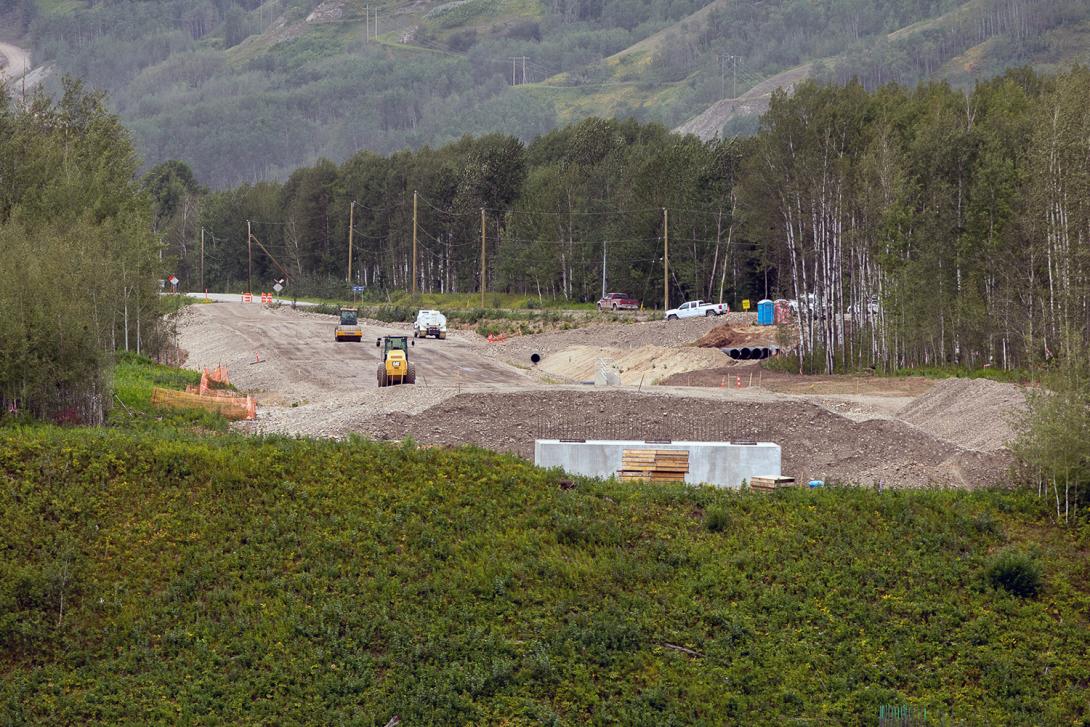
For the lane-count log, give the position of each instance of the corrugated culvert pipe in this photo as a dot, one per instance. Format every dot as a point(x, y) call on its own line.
point(535, 358)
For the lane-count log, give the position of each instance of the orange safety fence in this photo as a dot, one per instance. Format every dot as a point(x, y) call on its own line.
point(232, 407)
point(212, 380)
point(221, 393)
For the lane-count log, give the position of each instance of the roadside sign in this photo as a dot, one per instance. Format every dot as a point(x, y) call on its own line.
point(357, 288)
point(162, 283)
point(278, 287)
point(173, 280)
point(745, 304)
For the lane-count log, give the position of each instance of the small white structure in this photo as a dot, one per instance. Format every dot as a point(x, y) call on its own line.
point(723, 464)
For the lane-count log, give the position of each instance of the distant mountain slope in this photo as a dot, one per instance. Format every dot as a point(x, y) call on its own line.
point(709, 123)
point(247, 90)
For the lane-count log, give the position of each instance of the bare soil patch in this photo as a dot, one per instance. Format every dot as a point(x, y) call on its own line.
point(975, 413)
point(816, 442)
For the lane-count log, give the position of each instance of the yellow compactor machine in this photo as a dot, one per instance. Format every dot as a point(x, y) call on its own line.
point(349, 327)
point(395, 367)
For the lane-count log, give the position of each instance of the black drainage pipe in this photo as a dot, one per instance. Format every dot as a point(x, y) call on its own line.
point(535, 358)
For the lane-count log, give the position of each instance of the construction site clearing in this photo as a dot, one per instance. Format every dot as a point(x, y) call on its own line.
point(616, 380)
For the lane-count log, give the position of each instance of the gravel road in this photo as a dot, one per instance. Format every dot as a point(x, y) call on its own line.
point(466, 393)
point(301, 363)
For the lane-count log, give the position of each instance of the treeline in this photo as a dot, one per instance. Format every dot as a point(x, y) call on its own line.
point(966, 216)
point(577, 209)
point(917, 227)
point(78, 267)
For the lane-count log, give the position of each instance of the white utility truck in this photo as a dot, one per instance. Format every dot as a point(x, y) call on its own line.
point(430, 323)
point(697, 308)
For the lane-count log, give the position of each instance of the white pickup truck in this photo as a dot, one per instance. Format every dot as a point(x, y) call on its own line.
point(430, 323)
point(696, 308)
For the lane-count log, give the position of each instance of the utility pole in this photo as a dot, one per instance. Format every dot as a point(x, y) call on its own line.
point(249, 259)
point(665, 259)
point(734, 75)
point(376, 24)
point(202, 259)
point(367, 22)
point(514, 69)
point(603, 268)
point(351, 230)
point(483, 268)
point(414, 243)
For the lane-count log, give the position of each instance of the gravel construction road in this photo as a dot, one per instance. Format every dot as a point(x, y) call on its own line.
point(308, 385)
point(301, 363)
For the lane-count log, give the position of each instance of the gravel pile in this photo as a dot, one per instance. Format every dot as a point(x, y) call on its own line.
point(816, 442)
point(973, 413)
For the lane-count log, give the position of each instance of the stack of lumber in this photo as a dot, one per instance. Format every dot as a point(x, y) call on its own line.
point(770, 483)
point(654, 465)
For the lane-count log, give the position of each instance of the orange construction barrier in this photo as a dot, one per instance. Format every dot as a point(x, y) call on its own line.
point(232, 407)
point(247, 297)
point(211, 394)
point(266, 298)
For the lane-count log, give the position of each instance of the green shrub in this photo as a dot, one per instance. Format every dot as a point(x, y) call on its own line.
point(716, 520)
point(1015, 572)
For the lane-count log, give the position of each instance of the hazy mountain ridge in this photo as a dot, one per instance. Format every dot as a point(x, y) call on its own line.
point(247, 90)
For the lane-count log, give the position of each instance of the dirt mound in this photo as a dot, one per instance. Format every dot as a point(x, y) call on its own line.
point(718, 337)
point(816, 442)
point(614, 335)
point(975, 414)
point(643, 365)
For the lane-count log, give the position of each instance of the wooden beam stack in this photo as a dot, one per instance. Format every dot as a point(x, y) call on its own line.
point(770, 483)
point(654, 465)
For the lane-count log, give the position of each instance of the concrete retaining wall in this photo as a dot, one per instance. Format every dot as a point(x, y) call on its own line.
point(716, 463)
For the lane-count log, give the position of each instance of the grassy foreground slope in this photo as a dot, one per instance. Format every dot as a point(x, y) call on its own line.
point(151, 579)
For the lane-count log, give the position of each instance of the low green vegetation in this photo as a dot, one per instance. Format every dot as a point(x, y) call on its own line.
point(153, 580)
point(134, 377)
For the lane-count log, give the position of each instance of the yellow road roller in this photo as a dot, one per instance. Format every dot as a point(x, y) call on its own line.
point(395, 367)
point(349, 327)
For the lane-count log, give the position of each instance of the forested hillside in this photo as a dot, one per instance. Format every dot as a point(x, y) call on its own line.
point(247, 90)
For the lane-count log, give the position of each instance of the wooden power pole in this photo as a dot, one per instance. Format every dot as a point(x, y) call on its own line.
point(483, 268)
point(414, 243)
point(351, 231)
point(665, 259)
point(202, 261)
point(249, 259)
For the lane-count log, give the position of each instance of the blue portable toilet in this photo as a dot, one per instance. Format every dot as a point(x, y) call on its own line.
point(766, 315)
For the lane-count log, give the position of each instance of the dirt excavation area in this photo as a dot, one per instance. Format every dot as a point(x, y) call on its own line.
point(612, 381)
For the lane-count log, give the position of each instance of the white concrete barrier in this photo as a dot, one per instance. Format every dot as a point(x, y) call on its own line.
point(724, 464)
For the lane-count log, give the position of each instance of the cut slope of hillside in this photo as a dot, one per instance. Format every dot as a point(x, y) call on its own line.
point(753, 102)
point(232, 580)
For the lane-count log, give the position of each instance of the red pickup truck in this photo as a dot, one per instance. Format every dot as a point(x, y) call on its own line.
point(618, 301)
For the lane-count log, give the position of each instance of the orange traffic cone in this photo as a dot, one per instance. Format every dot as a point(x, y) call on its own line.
point(738, 382)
